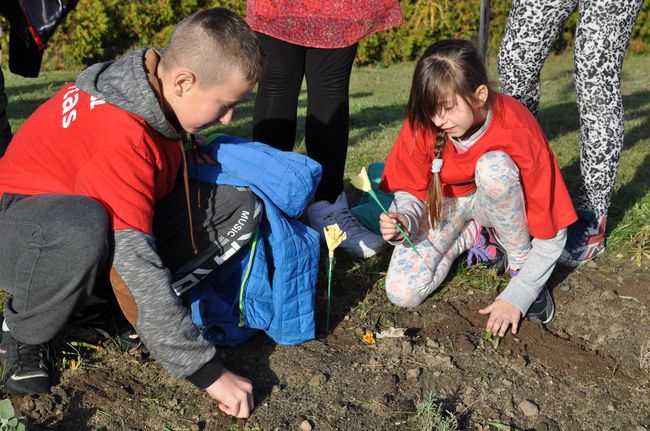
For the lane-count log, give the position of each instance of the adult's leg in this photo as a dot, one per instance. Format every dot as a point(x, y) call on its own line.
point(530, 32)
point(411, 277)
point(276, 103)
point(225, 220)
point(602, 35)
point(52, 249)
point(500, 204)
point(326, 132)
point(5, 128)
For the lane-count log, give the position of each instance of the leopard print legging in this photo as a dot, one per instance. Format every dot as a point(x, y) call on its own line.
point(602, 35)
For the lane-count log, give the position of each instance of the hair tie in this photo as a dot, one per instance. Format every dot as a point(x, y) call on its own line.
point(436, 166)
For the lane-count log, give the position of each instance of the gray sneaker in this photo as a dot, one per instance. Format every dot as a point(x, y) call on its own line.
point(543, 309)
point(360, 241)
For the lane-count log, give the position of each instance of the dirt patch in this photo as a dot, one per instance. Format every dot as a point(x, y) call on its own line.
point(581, 371)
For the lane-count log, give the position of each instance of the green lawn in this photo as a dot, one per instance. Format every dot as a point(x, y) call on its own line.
point(377, 99)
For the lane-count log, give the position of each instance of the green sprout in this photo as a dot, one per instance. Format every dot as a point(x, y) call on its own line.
point(489, 338)
point(431, 415)
point(500, 426)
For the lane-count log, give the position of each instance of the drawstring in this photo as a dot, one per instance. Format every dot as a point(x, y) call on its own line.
point(187, 196)
point(195, 160)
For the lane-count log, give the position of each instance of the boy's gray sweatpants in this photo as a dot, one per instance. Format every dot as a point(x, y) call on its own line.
point(54, 248)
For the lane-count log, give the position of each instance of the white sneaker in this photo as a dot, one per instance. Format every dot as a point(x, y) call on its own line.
point(360, 241)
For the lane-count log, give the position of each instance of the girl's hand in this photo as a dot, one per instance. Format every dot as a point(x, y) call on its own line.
point(388, 228)
point(502, 314)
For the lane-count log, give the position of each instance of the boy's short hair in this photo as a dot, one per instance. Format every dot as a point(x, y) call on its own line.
point(210, 42)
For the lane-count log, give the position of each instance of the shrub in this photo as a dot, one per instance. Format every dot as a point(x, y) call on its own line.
point(79, 40)
point(426, 21)
point(99, 30)
point(641, 35)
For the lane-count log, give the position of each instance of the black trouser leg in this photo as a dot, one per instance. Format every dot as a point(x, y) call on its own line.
point(52, 249)
point(328, 114)
point(276, 103)
point(327, 126)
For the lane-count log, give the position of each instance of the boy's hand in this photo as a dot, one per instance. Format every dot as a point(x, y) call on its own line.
point(234, 394)
point(388, 228)
point(502, 314)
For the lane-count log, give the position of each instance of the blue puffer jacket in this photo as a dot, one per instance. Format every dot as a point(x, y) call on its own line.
point(280, 278)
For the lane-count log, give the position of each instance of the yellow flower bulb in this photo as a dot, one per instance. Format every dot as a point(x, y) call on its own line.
point(361, 181)
point(334, 236)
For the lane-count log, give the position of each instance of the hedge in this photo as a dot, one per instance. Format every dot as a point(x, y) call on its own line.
point(424, 22)
point(99, 30)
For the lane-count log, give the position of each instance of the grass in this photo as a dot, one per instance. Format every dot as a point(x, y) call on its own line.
point(377, 100)
point(644, 356)
point(430, 415)
point(500, 426)
point(72, 354)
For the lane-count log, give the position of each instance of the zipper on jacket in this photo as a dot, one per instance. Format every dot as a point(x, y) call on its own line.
point(242, 317)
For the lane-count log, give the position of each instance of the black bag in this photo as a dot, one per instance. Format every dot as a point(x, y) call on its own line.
point(32, 23)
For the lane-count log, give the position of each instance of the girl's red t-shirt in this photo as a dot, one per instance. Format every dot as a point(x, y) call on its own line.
point(514, 131)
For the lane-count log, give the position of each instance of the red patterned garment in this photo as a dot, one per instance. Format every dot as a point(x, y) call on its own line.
point(322, 24)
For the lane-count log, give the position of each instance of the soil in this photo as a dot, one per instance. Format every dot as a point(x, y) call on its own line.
point(583, 371)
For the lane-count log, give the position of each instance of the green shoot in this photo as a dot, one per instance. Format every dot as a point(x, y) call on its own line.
point(72, 356)
point(500, 426)
point(488, 337)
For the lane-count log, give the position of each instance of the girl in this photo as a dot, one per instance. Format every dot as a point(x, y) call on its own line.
point(466, 158)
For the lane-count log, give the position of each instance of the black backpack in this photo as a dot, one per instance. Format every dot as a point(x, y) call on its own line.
point(32, 23)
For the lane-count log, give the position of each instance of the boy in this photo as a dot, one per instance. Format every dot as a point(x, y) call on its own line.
point(88, 185)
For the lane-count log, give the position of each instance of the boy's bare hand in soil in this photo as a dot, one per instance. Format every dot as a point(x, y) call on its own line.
point(234, 394)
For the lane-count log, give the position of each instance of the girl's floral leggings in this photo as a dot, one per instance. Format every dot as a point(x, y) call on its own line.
point(497, 202)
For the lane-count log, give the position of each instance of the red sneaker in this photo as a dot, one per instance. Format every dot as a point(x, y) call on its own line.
point(585, 239)
point(488, 251)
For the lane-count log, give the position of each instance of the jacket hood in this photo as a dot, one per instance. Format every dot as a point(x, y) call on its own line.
point(124, 83)
point(287, 179)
